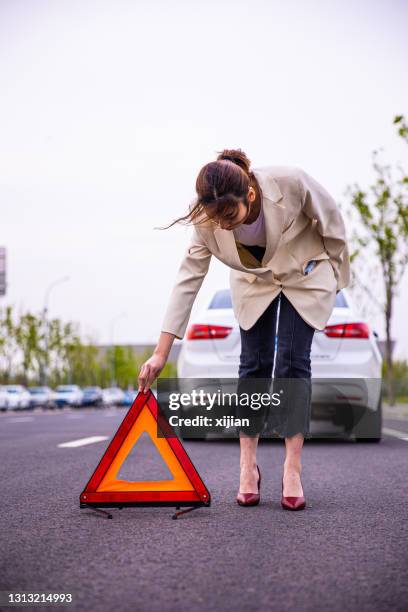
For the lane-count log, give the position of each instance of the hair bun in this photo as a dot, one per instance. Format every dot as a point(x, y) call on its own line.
point(238, 157)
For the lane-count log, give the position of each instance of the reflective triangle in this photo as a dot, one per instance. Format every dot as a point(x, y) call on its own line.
point(104, 487)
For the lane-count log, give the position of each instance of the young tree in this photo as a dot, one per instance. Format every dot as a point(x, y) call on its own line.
point(383, 214)
point(28, 334)
point(8, 343)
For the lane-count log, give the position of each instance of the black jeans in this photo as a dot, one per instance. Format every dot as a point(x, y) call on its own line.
point(275, 358)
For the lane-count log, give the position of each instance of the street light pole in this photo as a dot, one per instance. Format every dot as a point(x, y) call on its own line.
point(113, 360)
point(58, 281)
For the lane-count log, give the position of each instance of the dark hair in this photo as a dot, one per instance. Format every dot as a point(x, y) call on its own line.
point(220, 186)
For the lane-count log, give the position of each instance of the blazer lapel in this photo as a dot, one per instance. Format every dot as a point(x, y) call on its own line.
point(274, 220)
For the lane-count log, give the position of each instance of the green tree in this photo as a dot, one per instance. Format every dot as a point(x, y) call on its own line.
point(382, 210)
point(27, 357)
point(28, 334)
point(83, 365)
point(8, 343)
point(123, 365)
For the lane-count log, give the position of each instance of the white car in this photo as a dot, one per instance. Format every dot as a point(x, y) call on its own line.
point(41, 396)
point(17, 396)
point(68, 395)
point(345, 351)
point(4, 404)
point(113, 396)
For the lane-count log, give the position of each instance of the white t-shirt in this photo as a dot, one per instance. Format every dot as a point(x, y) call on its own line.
point(254, 233)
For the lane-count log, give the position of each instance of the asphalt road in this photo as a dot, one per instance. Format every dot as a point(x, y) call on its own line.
point(347, 550)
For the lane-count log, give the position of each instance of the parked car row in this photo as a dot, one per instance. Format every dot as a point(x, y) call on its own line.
point(14, 397)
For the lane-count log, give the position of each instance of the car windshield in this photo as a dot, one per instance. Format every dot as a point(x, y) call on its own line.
point(66, 389)
point(222, 299)
point(340, 301)
point(35, 390)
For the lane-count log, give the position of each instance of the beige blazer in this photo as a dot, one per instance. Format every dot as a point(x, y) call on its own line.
point(303, 222)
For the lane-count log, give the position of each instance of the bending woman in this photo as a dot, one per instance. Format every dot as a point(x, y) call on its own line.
point(283, 238)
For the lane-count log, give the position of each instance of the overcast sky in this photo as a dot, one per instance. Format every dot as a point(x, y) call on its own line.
point(109, 109)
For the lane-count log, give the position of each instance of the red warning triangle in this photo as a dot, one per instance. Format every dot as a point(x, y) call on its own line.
point(185, 488)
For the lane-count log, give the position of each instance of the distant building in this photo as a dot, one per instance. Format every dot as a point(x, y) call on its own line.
point(175, 349)
point(139, 349)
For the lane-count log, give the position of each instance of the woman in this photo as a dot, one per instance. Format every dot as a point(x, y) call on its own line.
point(283, 238)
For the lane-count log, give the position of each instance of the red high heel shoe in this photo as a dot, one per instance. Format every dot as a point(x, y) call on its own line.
point(250, 499)
point(292, 503)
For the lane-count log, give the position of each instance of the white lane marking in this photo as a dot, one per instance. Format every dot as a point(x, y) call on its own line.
point(395, 433)
point(82, 442)
point(19, 419)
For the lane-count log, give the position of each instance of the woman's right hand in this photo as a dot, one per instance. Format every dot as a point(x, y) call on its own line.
point(150, 370)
